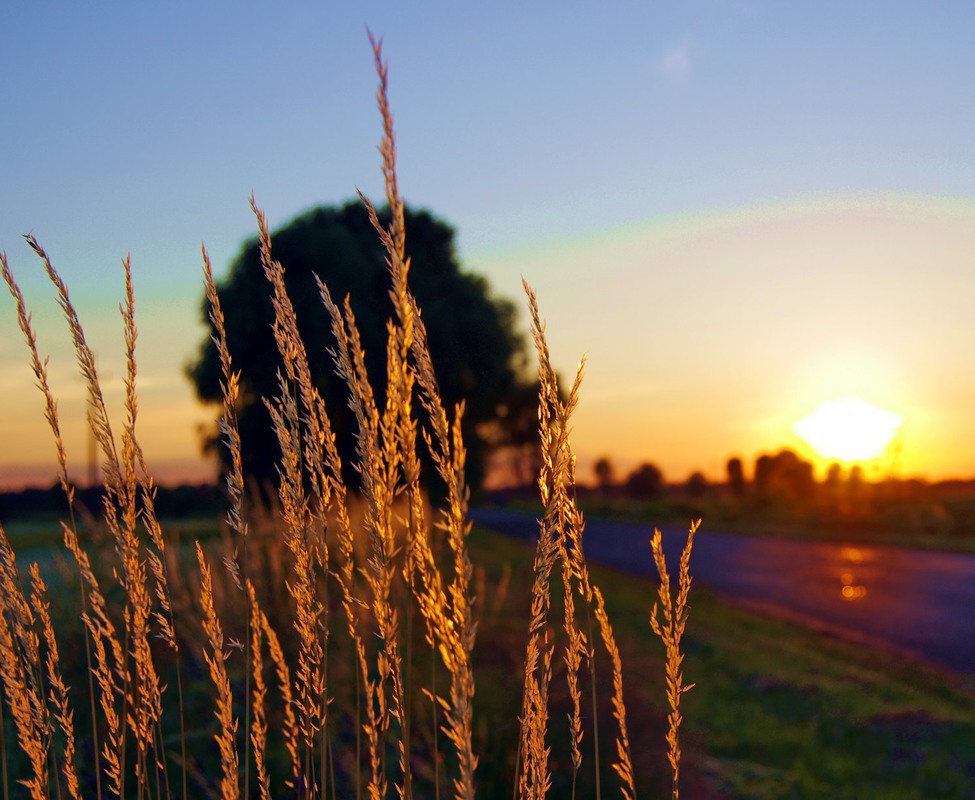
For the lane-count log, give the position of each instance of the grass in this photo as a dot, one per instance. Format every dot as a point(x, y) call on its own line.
point(778, 710)
point(368, 645)
point(323, 646)
point(792, 713)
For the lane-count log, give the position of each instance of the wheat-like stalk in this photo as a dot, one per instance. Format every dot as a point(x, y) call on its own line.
point(58, 689)
point(290, 724)
point(101, 630)
point(19, 664)
point(446, 610)
point(216, 658)
point(258, 726)
point(560, 541)
point(670, 629)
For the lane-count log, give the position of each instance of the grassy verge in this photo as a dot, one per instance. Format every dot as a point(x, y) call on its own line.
point(778, 710)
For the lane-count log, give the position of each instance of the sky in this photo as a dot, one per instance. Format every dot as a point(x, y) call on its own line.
point(737, 210)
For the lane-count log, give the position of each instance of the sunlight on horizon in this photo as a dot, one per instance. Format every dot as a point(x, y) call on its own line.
point(849, 429)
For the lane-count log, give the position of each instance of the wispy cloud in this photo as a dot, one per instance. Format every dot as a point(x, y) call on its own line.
point(676, 62)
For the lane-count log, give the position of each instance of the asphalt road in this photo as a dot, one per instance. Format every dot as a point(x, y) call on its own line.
point(917, 602)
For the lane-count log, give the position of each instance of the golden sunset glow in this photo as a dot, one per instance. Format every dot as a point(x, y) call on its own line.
point(849, 429)
point(721, 285)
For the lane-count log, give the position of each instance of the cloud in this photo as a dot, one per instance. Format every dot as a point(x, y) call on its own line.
point(675, 63)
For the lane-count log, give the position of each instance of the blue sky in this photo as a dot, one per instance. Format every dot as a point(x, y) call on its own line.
point(569, 142)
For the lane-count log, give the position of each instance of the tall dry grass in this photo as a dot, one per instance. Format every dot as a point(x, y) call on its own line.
point(352, 676)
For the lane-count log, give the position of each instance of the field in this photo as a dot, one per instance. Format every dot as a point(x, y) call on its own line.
point(338, 641)
point(777, 710)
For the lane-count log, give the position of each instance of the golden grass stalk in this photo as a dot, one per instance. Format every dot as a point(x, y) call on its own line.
point(535, 777)
point(58, 690)
point(308, 608)
point(227, 424)
point(216, 658)
point(290, 724)
point(318, 443)
point(98, 414)
point(376, 465)
point(138, 479)
point(101, 630)
point(669, 626)
point(258, 726)
point(139, 682)
point(19, 664)
point(39, 368)
point(104, 639)
point(156, 559)
point(623, 765)
point(303, 454)
point(315, 448)
point(562, 527)
point(146, 688)
point(456, 628)
point(380, 446)
point(446, 610)
point(230, 387)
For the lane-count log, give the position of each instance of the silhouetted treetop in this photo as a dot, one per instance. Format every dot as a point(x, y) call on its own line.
point(478, 354)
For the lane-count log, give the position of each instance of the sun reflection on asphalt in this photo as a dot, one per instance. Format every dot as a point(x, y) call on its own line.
point(850, 589)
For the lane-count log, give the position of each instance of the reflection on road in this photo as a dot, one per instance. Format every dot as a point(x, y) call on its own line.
point(852, 558)
point(914, 600)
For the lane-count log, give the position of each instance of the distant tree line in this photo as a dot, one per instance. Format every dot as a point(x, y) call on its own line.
point(177, 502)
point(783, 476)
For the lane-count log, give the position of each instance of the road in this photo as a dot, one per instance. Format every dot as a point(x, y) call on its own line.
point(915, 601)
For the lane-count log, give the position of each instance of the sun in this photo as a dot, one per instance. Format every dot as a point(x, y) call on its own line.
point(849, 429)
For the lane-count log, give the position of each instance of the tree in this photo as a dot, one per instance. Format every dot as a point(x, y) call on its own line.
point(784, 475)
point(697, 485)
point(645, 482)
point(478, 355)
point(604, 472)
point(736, 476)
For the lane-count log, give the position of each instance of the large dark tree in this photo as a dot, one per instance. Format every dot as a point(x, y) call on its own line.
point(478, 355)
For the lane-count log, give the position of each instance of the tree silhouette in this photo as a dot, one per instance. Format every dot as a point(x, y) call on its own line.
point(697, 485)
point(604, 472)
point(645, 482)
point(479, 356)
point(784, 475)
point(736, 476)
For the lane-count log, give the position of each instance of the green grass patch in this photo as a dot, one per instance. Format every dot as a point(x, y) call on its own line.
point(778, 710)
